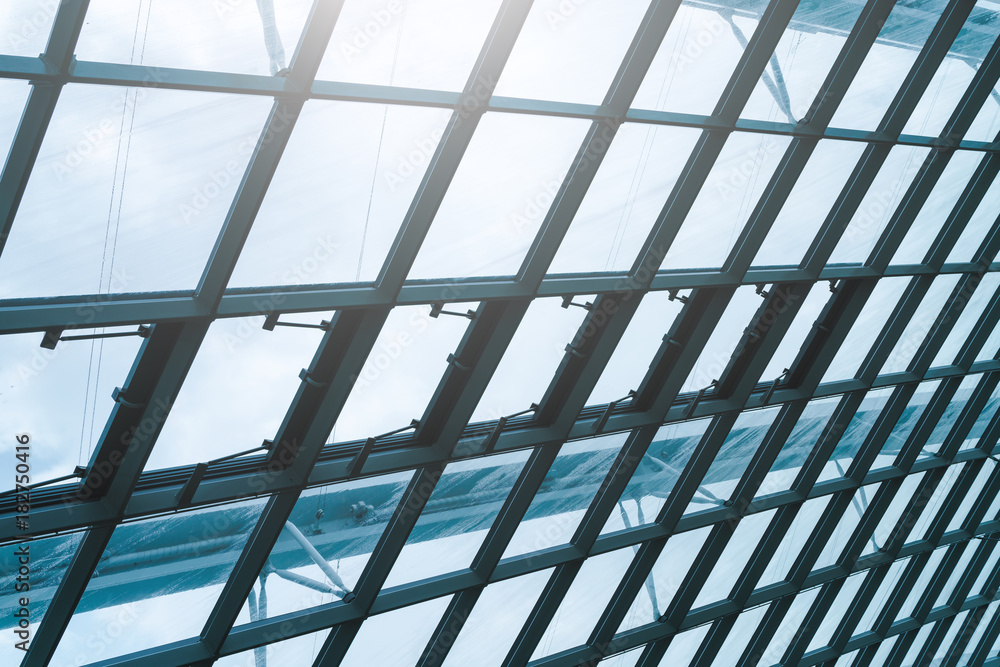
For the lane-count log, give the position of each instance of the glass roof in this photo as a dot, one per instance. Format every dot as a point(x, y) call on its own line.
point(508, 332)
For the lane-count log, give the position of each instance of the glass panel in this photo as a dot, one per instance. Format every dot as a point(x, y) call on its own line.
point(722, 343)
point(532, 358)
point(886, 65)
point(169, 567)
point(49, 559)
point(457, 517)
point(25, 26)
point(918, 644)
point(848, 659)
point(734, 456)
point(842, 534)
point(966, 322)
point(855, 433)
point(734, 558)
point(405, 43)
point(584, 603)
point(951, 413)
point(397, 637)
point(684, 646)
point(495, 621)
point(780, 565)
point(624, 199)
point(978, 226)
point(884, 648)
point(985, 126)
point(506, 186)
point(809, 202)
point(627, 659)
point(954, 75)
point(988, 568)
point(838, 609)
point(874, 608)
point(244, 37)
point(301, 650)
point(555, 56)
point(983, 420)
point(790, 344)
point(971, 497)
point(800, 62)
point(959, 571)
point(343, 522)
point(936, 209)
point(726, 200)
point(866, 329)
point(666, 577)
point(799, 445)
point(145, 175)
point(409, 357)
point(956, 625)
point(985, 618)
point(739, 635)
point(657, 473)
point(923, 581)
point(926, 315)
point(16, 94)
point(637, 348)
point(903, 495)
point(697, 58)
point(565, 494)
point(933, 506)
point(789, 630)
point(339, 193)
point(254, 369)
point(879, 203)
point(893, 445)
point(73, 381)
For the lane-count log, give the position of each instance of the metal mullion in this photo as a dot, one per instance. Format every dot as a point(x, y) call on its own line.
point(979, 184)
point(337, 644)
point(541, 615)
point(885, 423)
point(902, 647)
point(980, 334)
point(451, 624)
point(826, 444)
point(966, 477)
point(764, 552)
point(925, 603)
point(975, 96)
point(933, 643)
point(964, 636)
point(771, 624)
point(989, 491)
point(67, 596)
point(987, 642)
point(944, 323)
point(452, 145)
point(888, 339)
point(958, 596)
point(810, 624)
point(38, 110)
point(713, 641)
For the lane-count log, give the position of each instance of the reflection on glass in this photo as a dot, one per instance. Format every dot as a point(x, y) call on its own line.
point(903, 495)
point(73, 381)
point(409, 357)
point(555, 56)
point(657, 473)
point(408, 43)
point(951, 414)
point(339, 193)
point(733, 458)
point(506, 187)
point(637, 348)
point(243, 37)
point(258, 372)
point(971, 497)
point(397, 637)
point(665, 579)
point(780, 565)
point(893, 445)
point(697, 57)
point(565, 494)
point(855, 433)
point(886, 65)
point(866, 328)
point(129, 191)
point(324, 546)
point(495, 621)
point(924, 318)
point(584, 603)
point(726, 200)
point(532, 357)
point(837, 540)
point(936, 209)
point(841, 604)
point(809, 202)
point(878, 204)
point(172, 566)
point(457, 516)
point(801, 61)
point(721, 345)
point(812, 424)
point(734, 558)
point(960, 332)
point(630, 189)
point(50, 557)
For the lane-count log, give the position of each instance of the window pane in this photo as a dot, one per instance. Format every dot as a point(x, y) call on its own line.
point(739, 635)
point(958, 572)
point(734, 558)
point(798, 446)
point(854, 435)
point(972, 497)
point(941, 493)
point(722, 343)
point(903, 495)
point(841, 604)
point(818, 296)
point(893, 445)
point(923, 581)
point(935, 441)
point(841, 535)
point(397, 637)
point(25, 26)
point(925, 316)
point(874, 608)
point(301, 650)
point(789, 630)
point(978, 226)
point(780, 565)
point(684, 646)
point(966, 322)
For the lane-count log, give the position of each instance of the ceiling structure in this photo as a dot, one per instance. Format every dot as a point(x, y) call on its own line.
point(639, 333)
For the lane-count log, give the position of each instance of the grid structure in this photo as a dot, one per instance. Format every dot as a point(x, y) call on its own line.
point(842, 512)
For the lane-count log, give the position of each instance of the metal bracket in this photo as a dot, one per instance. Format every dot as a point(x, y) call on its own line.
point(453, 360)
point(672, 296)
point(116, 396)
point(308, 379)
point(567, 301)
point(689, 408)
point(438, 309)
point(271, 321)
